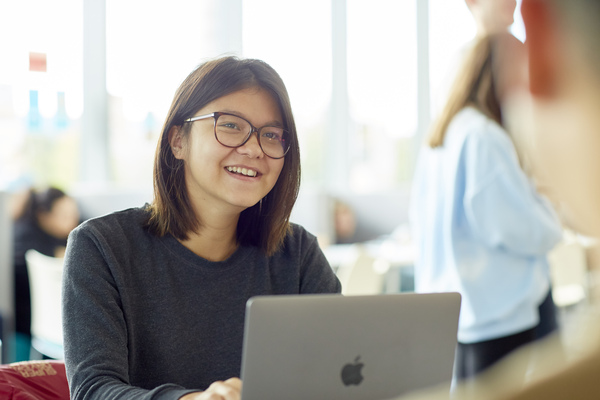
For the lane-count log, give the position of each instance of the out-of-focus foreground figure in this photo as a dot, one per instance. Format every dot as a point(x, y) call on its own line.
point(564, 67)
point(492, 16)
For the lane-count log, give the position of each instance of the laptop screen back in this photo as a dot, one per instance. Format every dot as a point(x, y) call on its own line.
point(353, 347)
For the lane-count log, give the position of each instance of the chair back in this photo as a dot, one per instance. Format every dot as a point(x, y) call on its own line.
point(357, 275)
point(569, 272)
point(34, 380)
point(45, 281)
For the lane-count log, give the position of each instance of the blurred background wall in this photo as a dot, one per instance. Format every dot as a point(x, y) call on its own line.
point(86, 84)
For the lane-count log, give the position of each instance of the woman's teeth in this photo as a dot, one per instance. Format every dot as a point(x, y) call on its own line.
point(243, 171)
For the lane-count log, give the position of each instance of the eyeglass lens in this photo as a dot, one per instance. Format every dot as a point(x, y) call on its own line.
point(232, 131)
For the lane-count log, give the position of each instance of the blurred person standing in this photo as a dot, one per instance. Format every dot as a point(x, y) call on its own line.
point(43, 222)
point(480, 227)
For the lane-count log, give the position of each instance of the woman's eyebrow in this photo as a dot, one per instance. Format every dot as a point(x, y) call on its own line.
point(274, 123)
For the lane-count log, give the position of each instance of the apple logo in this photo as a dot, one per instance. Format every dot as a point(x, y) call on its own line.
point(351, 373)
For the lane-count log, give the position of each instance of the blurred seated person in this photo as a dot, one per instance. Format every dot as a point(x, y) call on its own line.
point(43, 223)
point(345, 223)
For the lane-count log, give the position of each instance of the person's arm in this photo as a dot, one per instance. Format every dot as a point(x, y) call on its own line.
point(501, 204)
point(94, 327)
point(230, 389)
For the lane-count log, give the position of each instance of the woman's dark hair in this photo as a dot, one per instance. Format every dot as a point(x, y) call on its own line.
point(39, 201)
point(265, 224)
point(474, 86)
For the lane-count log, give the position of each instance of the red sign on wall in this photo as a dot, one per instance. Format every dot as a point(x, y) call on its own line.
point(37, 62)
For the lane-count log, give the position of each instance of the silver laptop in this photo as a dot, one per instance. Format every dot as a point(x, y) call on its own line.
point(348, 347)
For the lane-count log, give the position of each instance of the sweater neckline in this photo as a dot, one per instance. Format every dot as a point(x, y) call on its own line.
point(178, 250)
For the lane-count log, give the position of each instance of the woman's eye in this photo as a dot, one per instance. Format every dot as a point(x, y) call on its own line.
point(229, 125)
point(271, 136)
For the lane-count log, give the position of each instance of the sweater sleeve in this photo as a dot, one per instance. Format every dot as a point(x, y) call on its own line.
point(317, 276)
point(94, 327)
point(501, 204)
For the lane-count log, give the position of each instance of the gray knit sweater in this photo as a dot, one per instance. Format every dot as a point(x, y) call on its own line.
point(146, 318)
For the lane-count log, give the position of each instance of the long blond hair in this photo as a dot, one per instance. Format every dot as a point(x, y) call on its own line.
point(473, 86)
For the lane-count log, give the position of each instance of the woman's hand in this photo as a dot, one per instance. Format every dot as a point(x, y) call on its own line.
point(231, 389)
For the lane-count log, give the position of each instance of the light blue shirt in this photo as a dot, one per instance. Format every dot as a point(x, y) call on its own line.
point(481, 229)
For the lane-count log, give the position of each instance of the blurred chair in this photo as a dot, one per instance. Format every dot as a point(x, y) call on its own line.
point(357, 275)
point(34, 380)
point(45, 281)
point(569, 272)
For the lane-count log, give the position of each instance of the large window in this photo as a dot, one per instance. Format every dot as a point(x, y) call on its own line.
point(451, 28)
point(40, 91)
point(151, 48)
point(350, 67)
point(382, 92)
point(295, 39)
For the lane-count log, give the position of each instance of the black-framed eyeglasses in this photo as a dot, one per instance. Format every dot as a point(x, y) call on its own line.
point(234, 131)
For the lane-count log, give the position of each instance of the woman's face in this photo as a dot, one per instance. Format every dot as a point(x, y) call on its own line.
point(211, 169)
point(62, 218)
point(493, 15)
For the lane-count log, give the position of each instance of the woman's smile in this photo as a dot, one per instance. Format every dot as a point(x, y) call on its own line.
point(244, 171)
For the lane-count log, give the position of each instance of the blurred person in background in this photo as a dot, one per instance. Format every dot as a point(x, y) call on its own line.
point(344, 222)
point(479, 225)
point(43, 220)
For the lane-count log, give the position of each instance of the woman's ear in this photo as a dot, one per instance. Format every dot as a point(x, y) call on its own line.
point(176, 142)
point(543, 47)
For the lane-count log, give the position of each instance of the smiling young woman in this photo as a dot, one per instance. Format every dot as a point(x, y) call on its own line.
point(154, 297)
point(172, 211)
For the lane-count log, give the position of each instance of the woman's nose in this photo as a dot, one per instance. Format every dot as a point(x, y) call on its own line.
point(252, 147)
